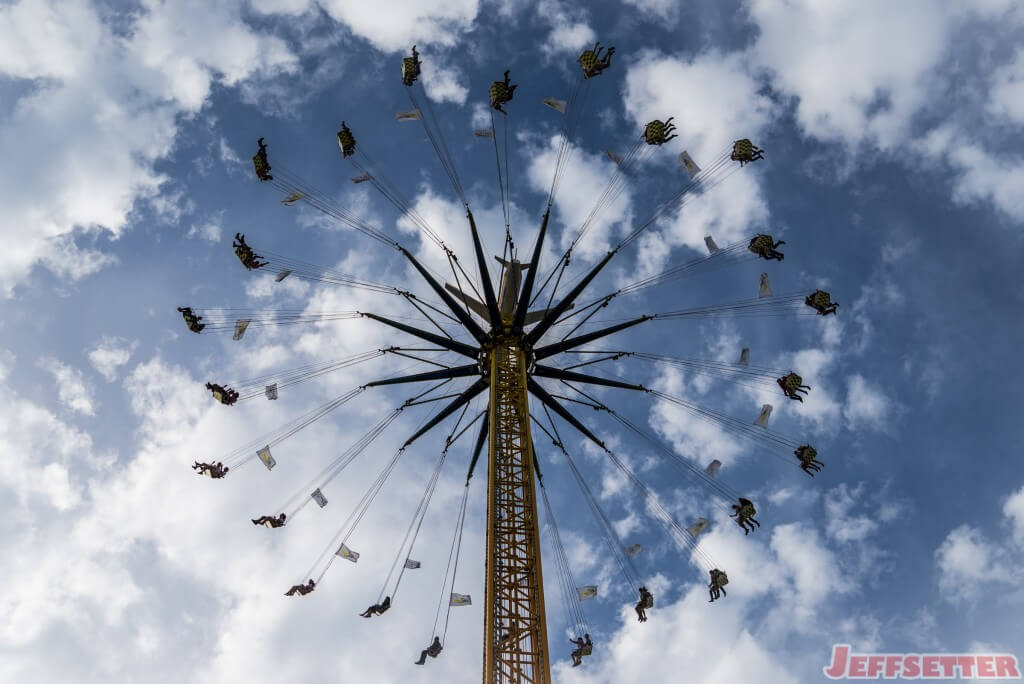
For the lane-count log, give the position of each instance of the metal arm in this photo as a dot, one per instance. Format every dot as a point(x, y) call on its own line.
point(570, 376)
point(464, 398)
point(452, 345)
point(531, 276)
point(549, 401)
point(446, 374)
point(559, 347)
point(567, 301)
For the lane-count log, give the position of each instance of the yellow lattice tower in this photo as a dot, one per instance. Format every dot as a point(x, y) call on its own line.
point(506, 359)
point(515, 629)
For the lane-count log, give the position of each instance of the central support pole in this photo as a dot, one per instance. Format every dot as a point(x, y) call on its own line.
point(515, 628)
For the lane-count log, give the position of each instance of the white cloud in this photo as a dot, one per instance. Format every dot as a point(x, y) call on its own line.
point(815, 366)
point(866, 406)
point(72, 389)
point(881, 292)
point(859, 70)
point(109, 354)
point(580, 169)
point(715, 100)
point(691, 436)
point(208, 230)
point(665, 10)
point(980, 174)
point(968, 563)
point(443, 83)
point(292, 7)
point(1006, 98)
point(115, 98)
point(860, 74)
point(397, 25)
point(570, 33)
point(481, 117)
point(264, 286)
point(1014, 510)
point(228, 155)
point(797, 581)
point(627, 525)
point(42, 450)
point(843, 525)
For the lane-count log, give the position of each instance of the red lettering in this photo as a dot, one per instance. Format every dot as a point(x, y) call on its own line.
point(1006, 667)
point(892, 665)
point(930, 666)
point(911, 666)
point(858, 665)
point(875, 665)
point(948, 663)
point(966, 663)
point(837, 668)
point(986, 666)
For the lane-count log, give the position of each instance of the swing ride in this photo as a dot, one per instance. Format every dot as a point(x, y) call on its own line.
point(519, 344)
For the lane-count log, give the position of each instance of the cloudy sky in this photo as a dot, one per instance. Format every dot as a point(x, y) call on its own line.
point(894, 171)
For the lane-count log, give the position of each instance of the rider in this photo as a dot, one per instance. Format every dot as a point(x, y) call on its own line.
point(377, 608)
point(433, 650)
point(224, 395)
point(215, 470)
point(744, 513)
point(191, 320)
point(646, 601)
point(301, 589)
point(716, 586)
point(260, 163)
point(764, 246)
point(244, 252)
point(270, 520)
point(821, 301)
point(808, 456)
point(577, 653)
point(502, 92)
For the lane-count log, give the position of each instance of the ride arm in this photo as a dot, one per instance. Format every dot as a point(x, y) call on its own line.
point(567, 301)
point(480, 441)
point(485, 276)
point(452, 345)
point(444, 374)
point(460, 313)
point(531, 275)
point(549, 401)
point(559, 347)
point(456, 403)
point(569, 376)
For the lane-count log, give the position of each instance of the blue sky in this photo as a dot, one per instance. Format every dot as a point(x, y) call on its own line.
point(893, 171)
